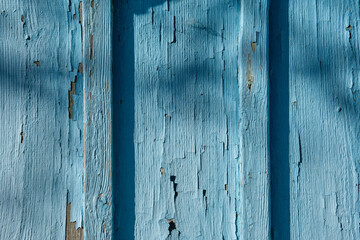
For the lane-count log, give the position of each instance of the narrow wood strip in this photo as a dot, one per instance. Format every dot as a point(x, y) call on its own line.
point(97, 49)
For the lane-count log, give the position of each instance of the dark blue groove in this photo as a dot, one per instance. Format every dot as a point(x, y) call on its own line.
point(123, 121)
point(279, 119)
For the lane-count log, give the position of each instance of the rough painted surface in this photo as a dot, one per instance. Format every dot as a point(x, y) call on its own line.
point(97, 118)
point(41, 136)
point(324, 119)
point(201, 119)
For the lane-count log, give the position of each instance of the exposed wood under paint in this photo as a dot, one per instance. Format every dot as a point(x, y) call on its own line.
point(72, 232)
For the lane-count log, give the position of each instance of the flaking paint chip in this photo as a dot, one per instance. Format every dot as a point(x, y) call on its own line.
point(37, 63)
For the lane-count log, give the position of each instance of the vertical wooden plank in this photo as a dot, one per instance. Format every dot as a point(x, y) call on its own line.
point(97, 19)
point(201, 119)
point(324, 119)
point(254, 120)
point(41, 146)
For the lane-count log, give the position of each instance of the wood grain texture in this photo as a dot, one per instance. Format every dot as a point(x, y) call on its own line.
point(97, 118)
point(201, 119)
point(324, 119)
point(41, 148)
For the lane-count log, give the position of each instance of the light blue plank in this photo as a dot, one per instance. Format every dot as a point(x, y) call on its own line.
point(324, 119)
point(41, 148)
point(97, 57)
point(201, 119)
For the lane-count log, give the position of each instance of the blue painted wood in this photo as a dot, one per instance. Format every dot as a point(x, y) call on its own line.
point(41, 143)
point(196, 94)
point(201, 118)
point(97, 56)
point(324, 119)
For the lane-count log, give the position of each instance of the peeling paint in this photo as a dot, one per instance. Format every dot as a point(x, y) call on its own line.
point(197, 122)
point(72, 233)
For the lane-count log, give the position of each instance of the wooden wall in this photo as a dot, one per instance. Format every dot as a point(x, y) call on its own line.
point(163, 119)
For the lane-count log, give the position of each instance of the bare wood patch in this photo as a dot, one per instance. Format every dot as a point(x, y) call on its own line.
point(71, 232)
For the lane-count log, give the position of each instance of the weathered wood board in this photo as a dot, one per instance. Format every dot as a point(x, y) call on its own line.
point(97, 56)
point(324, 119)
point(41, 112)
point(200, 80)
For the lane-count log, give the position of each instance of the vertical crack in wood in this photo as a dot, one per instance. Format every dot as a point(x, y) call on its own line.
point(72, 92)
point(174, 33)
point(249, 74)
point(91, 46)
point(300, 158)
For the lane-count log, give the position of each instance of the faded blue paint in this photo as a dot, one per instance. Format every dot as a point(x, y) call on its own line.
point(324, 119)
point(200, 147)
point(97, 56)
point(201, 118)
point(189, 134)
point(41, 148)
